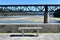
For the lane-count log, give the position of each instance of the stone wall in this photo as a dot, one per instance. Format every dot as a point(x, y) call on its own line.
point(46, 28)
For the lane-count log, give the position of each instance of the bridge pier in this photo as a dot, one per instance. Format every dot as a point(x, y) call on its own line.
point(46, 15)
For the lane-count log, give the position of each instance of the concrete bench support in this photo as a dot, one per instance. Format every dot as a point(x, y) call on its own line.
point(37, 32)
point(22, 32)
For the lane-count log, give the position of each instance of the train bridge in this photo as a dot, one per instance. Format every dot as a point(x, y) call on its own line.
point(31, 8)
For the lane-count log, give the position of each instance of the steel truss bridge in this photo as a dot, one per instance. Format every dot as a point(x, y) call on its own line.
point(30, 8)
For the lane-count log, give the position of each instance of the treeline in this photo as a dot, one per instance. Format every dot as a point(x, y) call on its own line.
point(15, 13)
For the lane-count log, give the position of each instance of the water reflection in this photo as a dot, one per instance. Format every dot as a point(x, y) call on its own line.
point(57, 21)
point(54, 21)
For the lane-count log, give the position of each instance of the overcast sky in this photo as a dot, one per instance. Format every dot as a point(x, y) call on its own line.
point(29, 2)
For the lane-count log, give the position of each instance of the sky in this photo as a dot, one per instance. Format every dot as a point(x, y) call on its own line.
point(29, 2)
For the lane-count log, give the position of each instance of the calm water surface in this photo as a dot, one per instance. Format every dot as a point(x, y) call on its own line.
point(25, 21)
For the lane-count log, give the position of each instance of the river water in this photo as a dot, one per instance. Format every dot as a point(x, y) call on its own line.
point(28, 19)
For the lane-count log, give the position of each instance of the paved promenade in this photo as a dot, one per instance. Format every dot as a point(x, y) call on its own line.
point(42, 36)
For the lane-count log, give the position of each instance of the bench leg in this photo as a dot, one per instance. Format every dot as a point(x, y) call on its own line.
point(37, 32)
point(22, 32)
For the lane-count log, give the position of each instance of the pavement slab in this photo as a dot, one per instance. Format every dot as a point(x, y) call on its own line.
point(42, 36)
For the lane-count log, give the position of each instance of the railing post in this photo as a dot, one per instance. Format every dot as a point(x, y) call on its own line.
point(46, 14)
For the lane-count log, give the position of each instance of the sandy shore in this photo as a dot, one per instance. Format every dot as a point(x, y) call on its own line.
point(30, 18)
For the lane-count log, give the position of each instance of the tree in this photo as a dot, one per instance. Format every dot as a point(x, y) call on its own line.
point(57, 13)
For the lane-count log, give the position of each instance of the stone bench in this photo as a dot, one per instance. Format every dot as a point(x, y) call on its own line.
point(30, 28)
point(27, 28)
